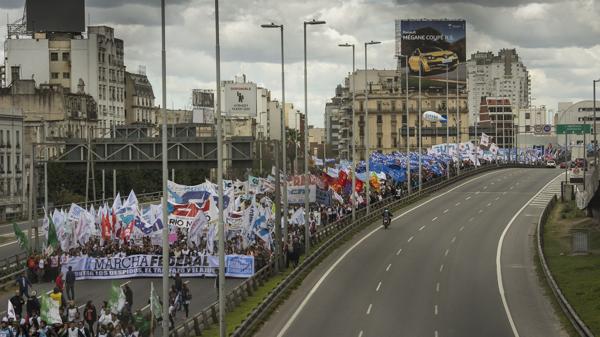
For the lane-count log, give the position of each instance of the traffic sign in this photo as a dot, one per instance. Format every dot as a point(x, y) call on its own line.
point(579, 129)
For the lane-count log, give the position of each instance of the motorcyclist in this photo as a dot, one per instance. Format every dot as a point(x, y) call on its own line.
point(387, 215)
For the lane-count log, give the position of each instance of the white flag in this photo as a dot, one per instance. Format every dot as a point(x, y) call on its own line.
point(485, 139)
point(10, 312)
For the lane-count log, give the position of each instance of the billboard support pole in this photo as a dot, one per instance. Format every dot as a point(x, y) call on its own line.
point(408, 178)
point(447, 123)
point(419, 139)
point(457, 121)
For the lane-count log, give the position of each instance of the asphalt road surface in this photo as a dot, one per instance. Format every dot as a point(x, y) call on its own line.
point(437, 271)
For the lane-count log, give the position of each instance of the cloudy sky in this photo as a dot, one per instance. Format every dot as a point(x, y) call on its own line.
point(557, 40)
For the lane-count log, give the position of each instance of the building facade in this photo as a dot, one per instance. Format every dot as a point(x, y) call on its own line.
point(13, 181)
point(387, 106)
point(92, 61)
point(531, 118)
point(502, 75)
point(139, 99)
point(576, 113)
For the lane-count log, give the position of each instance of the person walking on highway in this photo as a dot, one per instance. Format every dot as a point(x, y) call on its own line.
point(128, 295)
point(90, 316)
point(17, 303)
point(33, 305)
point(59, 283)
point(70, 281)
point(24, 285)
point(186, 296)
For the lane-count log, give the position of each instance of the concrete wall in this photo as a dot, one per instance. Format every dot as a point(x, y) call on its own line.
point(31, 55)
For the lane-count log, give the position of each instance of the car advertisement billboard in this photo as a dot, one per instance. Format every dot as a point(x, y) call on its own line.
point(432, 48)
point(239, 99)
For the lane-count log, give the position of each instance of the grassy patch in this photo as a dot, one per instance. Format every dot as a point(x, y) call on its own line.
point(237, 316)
point(578, 276)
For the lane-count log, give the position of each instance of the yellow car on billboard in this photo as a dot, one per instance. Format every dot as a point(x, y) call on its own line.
point(430, 59)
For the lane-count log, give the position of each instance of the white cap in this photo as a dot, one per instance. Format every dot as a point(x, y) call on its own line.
point(4, 319)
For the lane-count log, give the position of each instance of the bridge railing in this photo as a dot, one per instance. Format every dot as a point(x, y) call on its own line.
point(326, 238)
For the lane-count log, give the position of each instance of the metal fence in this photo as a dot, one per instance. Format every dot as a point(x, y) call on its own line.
point(567, 309)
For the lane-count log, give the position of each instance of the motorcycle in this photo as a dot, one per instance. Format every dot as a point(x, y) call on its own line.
point(386, 222)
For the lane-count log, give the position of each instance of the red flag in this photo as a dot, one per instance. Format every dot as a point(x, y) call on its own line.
point(359, 185)
point(126, 232)
point(106, 227)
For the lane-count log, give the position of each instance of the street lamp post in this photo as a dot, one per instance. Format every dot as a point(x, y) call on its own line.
point(352, 142)
point(283, 139)
point(419, 137)
point(408, 179)
point(447, 124)
point(367, 143)
point(595, 133)
point(457, 125)
point(306, 172)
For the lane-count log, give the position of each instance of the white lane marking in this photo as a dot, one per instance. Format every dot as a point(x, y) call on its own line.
point(446, 210)
point(504, 193)
point(435, 309)
point(446, 252)
point(493, 183)
point(369, 309)
point(360, 333)
point(512, 187)
point(467, 198)
point(499, 256)
point(453, 239)
point(434, 218)
point(435, 333)
point(457, 204)
point(461, 228)
point(480, 211)
point(399, 251)
point(422, 227)
point(471, 219)
point(441, 268)
point(497, 198)
point(477, 192)
point(388, 267)
point(378, 286)
point(437, 287)
point(489, 204)
point(314, 289)
point(484, 187)
point(410, 239)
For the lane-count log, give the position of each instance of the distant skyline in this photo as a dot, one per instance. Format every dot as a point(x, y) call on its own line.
point(556, 41)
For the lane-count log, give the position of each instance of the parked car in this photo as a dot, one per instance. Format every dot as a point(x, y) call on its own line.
point(564, 164)
point(551, 163)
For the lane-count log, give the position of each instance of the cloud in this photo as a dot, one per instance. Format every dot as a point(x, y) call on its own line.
point(556, 39)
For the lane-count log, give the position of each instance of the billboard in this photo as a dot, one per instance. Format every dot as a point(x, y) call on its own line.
point(432, 48)
point(239, 99)
point(203, 98)
point(55, 16)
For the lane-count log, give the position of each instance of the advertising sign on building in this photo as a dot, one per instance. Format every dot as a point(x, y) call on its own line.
point(432, 47)
point(203, 102)
point(240, 99)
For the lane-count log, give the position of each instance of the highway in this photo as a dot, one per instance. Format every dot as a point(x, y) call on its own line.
point(459, 263)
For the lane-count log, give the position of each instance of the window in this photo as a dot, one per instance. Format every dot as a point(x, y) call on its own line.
point(403, 119)
point(15, 72)
point(379, 142)
point(18, 140)
point(393, 104)
point(54, 76)
point(8, 168)
point(1, 138)
point(8, 138)
point(527, 115)
point(379, 119)
point(2, 164)
point(360, 106)
point(66, 56)
point(378, 106)
point(66, 75)
point(395, 141)
point(527, 128)
point(53, 56)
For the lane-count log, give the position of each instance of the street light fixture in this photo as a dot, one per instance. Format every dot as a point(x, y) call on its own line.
point(353, 145)
point(306, 172)
point(367, 145)
point(283, 140)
